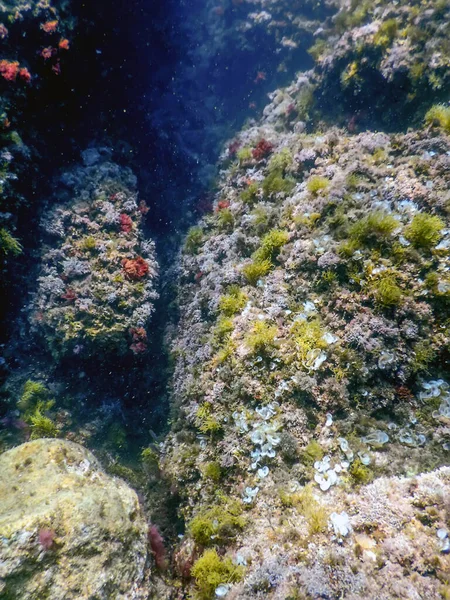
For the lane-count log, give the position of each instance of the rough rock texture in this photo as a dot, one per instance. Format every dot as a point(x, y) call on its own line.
point(67, 529)
point(391, 549)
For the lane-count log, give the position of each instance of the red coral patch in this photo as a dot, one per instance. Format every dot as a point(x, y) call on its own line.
point(262, 149)
point(50, 26)
point(135, 268)
point(64, 44)
point(126, 224)
point(222, 204)
point(9, 70)
point(24, 74)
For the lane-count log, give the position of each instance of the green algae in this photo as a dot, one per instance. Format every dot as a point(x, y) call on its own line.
point(317, 184)
point(233, 301)
point(194, 239)
point(255, 270)
point(386, 291)
point(424, 231)
point(250, 194)
point(374, 229)
point(9, 245)
point(271, 245)
point(210, 570)
point(439, 115)
point(217, 525)
point(261, 338)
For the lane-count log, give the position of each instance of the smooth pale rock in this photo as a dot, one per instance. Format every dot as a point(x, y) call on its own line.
point(67, 529)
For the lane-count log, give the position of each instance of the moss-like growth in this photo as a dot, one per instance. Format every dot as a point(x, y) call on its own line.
point(261, 338)
point(271, 245)
point(206, 421)
point(225, 219)
point(254, 271)
point(380, 156)
point(305, 102)
point(209, 571)
point(348, 248)
point(280, 162)
point(424, 354)
point(353, 181)
point(9, 244)
point(225, 353)
point(353, 17)
point(250, 194)
point(212, 471)
point(194, 240)
point(439, 116)
point(424, 231)
point(88, 243)
point(232, 302)
point(275, 183)
point(261, 219)
point(308, 221)
point(304, 501)
point(307, 335)
point(33, 393)
point(311, 453)
point(42, 426)
point(351, 76)
point(360, 474)
point(150, 461)
point(318, 49)
point(244, 154)
point(386, 291)
point(217, 525)
point(317, 184)
point(386, 33)
point(374, 229)
point(223, 328)
point(438, 285)
point(326, 281)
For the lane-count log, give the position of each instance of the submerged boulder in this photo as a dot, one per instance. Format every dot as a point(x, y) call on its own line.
point(96, 286)
point(67, 529)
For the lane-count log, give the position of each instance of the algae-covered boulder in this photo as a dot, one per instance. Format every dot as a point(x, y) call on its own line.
point(67, 529)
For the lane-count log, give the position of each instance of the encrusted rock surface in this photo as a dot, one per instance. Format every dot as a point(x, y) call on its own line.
point(67, 529)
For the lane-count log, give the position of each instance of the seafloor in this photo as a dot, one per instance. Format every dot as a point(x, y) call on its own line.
point(225, 279)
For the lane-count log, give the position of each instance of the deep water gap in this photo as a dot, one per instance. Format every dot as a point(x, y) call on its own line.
point(132, 82)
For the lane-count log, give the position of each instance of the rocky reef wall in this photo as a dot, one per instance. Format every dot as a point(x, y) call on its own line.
point(276, 390)
point(311, 378)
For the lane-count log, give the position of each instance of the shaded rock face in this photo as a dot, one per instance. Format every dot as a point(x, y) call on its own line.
point(68, 530)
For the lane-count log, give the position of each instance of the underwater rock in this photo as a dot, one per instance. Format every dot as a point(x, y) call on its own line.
point(314, 294)
point(68, 530)
point(96, 287)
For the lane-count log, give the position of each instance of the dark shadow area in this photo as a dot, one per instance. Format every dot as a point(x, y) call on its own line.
point(149, 80)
